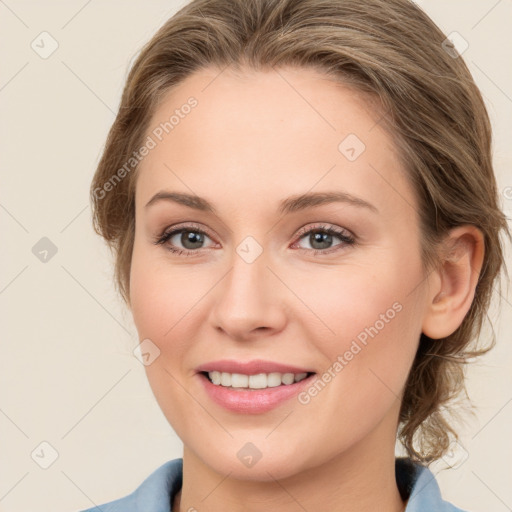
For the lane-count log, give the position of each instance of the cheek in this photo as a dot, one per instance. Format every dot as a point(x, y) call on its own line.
point(374, 328)
point(161, 294)
point(342, 303)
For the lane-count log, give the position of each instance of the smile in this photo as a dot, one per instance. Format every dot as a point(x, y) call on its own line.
point(246, 398)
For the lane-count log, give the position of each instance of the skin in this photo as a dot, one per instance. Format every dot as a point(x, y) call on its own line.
point(254, 139)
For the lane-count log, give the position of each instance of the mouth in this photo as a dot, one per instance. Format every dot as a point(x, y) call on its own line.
point(256, 382)
point(252, 394)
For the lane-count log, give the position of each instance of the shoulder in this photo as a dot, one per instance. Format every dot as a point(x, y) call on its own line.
point(418, 483)
point(154, 494)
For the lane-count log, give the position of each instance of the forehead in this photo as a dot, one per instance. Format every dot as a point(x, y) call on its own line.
point(262, 134)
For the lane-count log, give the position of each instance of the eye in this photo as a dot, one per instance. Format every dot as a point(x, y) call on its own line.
point(191, 237)
point(320, 238)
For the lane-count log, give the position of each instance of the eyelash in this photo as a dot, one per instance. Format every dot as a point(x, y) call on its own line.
point(347, 240)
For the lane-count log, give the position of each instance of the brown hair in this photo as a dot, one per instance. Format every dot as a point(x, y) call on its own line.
point(387, 48)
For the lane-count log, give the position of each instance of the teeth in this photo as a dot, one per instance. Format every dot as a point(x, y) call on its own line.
point(258, 381)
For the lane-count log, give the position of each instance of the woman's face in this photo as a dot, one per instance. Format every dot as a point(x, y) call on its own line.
point(262, 284)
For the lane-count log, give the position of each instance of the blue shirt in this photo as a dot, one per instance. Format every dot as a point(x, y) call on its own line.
point(156, 493)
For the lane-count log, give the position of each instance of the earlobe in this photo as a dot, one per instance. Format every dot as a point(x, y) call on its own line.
point(452, 285)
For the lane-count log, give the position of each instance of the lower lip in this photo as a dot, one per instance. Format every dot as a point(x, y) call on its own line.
point(253, 401)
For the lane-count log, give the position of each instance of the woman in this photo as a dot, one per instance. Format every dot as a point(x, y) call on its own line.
point(301, 201)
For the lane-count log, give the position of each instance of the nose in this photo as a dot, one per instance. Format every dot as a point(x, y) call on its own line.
point(250, 300)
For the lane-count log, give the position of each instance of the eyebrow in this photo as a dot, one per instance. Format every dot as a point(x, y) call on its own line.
point(291, 204)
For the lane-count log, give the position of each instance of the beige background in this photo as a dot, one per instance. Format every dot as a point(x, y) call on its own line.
point(68, 376)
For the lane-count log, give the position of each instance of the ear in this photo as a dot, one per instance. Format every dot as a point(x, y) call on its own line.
point(452, 286)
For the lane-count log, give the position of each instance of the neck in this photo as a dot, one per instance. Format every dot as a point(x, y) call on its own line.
point(361, 479)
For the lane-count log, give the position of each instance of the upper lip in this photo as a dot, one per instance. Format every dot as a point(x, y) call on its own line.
point(250, 367)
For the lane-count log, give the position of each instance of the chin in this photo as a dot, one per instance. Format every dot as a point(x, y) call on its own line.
point(267, 464)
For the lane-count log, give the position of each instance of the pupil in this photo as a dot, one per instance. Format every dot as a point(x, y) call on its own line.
point(320, 237)
point(192, 238)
